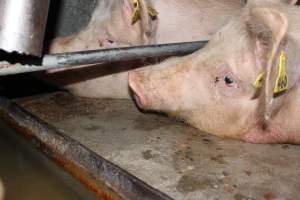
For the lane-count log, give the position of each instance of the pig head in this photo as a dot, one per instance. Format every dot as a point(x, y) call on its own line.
point(111, 26)
point(213, 89)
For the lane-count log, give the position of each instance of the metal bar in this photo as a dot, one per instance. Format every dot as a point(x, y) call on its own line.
point(99, 175)
point(120, 54)
point(69, 60)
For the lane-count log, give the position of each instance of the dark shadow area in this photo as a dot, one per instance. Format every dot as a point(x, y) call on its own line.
point(79, 74)
point(68, 16)
point(24, 85)
point(14, 58)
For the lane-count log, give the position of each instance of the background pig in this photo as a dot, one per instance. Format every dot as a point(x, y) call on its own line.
point(111, 26)
point(213, 90)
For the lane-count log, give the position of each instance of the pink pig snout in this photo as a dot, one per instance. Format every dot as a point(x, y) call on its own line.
point(135, 85)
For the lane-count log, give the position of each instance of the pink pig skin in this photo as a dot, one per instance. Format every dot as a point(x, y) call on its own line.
point(212, 89)
point(178, 21)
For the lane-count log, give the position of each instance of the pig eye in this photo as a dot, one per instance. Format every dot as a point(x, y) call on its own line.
point(110, 41)
point(229, 81)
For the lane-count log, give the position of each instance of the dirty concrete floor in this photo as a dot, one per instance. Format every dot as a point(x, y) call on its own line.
point(171, 156)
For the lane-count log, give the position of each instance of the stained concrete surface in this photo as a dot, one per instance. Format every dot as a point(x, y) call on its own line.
point(171, 156)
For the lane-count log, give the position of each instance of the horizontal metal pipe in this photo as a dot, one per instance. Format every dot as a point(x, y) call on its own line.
point(120, 54)
point(69, 60)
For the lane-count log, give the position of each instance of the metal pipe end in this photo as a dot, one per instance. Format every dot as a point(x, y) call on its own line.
point(22, 26)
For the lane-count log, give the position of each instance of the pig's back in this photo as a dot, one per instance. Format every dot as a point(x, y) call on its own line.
point(181, 21)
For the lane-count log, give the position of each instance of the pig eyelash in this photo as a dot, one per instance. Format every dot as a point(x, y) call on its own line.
point(229, 81)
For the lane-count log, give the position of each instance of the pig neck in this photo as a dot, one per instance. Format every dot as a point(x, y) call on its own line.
point(293, 15)
point(292, 46)
point(195, 16)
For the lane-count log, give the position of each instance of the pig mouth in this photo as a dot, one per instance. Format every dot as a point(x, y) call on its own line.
point(134, 85)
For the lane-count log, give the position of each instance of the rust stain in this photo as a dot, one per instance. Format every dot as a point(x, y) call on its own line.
point(27, 134)
point(269, 196)
point(248, 172)
point(82, 176)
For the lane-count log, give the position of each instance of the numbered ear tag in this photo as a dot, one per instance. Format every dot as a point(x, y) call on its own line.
point(282, 80)
point(136, 11)
point(152, 12)
point(258, 81)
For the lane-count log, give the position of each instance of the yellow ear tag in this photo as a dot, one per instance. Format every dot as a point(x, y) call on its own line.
point(282, 80)
point(152, 12)
point(258, 81)
point(136, 11)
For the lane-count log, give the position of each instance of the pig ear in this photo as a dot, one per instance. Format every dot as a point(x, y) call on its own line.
point(268, 26)
point(145, 23)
